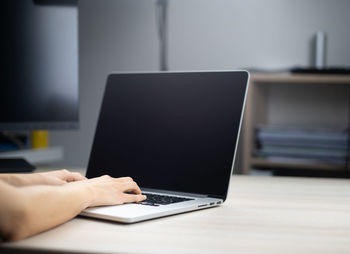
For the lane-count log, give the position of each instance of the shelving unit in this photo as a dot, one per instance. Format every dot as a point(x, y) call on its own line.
point(36, 156)
point(257, 112)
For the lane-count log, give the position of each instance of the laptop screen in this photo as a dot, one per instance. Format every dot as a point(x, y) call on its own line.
point(170, 131)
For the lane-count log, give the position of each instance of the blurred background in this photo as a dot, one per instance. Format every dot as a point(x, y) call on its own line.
point(269, 38)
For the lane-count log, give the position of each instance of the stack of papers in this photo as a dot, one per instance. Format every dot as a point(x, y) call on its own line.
point(328, 145)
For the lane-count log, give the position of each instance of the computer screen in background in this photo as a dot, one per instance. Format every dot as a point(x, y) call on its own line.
point(39, 67)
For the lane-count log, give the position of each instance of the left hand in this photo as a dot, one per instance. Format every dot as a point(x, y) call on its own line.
point(58, 177)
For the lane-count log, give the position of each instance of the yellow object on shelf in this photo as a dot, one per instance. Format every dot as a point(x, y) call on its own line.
point(40, 139)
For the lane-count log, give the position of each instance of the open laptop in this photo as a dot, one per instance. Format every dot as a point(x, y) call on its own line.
point(174, 133)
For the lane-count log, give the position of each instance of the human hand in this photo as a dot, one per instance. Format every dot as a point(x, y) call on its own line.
point(106, 190)
point(58, 177)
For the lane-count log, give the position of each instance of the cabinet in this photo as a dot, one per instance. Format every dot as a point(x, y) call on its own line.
point(258, 107)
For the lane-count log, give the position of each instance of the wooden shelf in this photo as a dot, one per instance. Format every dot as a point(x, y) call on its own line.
point(256, 113)
point(299, 78)
point(265, 163)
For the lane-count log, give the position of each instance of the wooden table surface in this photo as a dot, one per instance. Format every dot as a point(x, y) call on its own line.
point(261, 215)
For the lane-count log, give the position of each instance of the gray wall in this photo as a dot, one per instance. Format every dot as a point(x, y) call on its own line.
point(120, 35)
point(255, 33)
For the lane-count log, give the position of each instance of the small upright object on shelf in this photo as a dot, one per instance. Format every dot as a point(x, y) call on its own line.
point(320, 50)
point(40, 139)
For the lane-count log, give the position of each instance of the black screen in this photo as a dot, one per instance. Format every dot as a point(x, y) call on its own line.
point(172, 131)
point(39, 65)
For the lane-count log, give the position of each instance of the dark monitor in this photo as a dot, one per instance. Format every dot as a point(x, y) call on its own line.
point(39, 65)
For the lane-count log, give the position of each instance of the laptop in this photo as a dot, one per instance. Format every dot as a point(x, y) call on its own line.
point(174, 133)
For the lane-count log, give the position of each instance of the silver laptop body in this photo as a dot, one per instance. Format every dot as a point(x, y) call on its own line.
point(174, 133)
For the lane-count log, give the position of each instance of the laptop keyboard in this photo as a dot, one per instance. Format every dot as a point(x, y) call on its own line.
point(157, 199)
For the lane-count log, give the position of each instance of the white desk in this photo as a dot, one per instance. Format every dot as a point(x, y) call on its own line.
point(261, 215)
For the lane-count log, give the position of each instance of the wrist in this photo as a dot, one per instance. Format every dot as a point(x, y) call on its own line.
point(85, 192)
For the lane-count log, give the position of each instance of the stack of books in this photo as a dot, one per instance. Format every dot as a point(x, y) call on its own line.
point(304, 145)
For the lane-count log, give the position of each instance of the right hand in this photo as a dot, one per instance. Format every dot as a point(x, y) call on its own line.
point(106, 190)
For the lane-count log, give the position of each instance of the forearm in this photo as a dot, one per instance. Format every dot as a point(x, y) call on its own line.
point(25, 211)
point(56, 177)
point(21, 179)
point(43, 207)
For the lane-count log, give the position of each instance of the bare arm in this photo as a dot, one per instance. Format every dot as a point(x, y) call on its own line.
point(29, 210)
point(56, 177)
